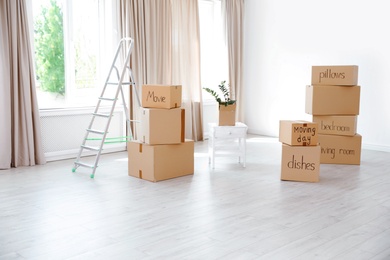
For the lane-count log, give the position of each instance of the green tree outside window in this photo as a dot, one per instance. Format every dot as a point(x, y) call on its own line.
point(49, 47)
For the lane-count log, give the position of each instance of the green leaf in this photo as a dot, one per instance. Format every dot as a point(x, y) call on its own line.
point(49, 47)
point(225, 92)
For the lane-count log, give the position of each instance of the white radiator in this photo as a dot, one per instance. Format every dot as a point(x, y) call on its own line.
point(63, 131)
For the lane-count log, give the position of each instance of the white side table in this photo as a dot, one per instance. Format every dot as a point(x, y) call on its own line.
point(222, 141)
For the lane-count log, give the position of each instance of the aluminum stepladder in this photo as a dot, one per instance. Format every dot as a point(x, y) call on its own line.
point(125, 46)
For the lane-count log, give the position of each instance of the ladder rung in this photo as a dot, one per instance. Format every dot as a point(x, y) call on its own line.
point(123, 83)
point(96, 131)
point(92, 148)
point(85, 165)
point(101, 115)
point(107, 99)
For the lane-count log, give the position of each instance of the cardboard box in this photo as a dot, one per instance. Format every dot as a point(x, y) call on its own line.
point(160, 162)
point(227, 115)
point(334, 75)
point(300, 163)
point(301, 133)
point(161, 96)
point(336, 125)
point(162, 126)
point(332, 100)
point(338, 149)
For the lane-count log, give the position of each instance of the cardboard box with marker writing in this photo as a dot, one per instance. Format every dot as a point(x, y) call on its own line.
point(338, 149)
point(161, 126)
point(300, 163)
point(161, 96)
point(160, 162)
point(336, 125)
point(296, 132)
point(332, 100)
point(346, 75)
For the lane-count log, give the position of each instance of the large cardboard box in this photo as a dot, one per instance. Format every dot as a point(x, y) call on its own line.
point(332, 100)
point(336, 125)
point(161, 96)
point(160, 162)
point(161, 126)
point(227, 115)
point(300, 163)
point(335, 75)
point(338, 149)
point(294, 132)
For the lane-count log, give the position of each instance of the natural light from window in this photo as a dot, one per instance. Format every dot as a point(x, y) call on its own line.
point(69, 52)
point(214, 60)
point(80, 37)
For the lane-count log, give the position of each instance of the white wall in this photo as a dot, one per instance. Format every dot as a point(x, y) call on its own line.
point(284, 38)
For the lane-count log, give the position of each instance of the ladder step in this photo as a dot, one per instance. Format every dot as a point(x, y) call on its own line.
point(85, 165)
point(96, 131)
point(123, 83)
point(101, 115)
point(92, 148)
point(107, 99)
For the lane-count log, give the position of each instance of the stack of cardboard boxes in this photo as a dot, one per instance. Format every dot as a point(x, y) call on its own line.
point(161, 151)
point(300, 151)
point(333, 99)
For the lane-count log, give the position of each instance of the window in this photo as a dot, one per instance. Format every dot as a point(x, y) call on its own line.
point(89, 38)
point(214, 60)
point(74, 43)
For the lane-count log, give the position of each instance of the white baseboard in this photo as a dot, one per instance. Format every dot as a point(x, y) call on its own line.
point(72, 154)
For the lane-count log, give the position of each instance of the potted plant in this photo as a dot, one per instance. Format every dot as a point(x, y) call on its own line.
point(227, 106)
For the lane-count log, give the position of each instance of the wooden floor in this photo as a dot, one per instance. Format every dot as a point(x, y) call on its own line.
point(48, 212)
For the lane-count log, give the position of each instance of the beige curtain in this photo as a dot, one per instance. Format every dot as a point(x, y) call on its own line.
point(20, 140)
point(233, 12)
point(166, 49)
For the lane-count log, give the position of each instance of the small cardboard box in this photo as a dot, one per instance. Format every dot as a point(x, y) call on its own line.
point(300, 163)
point(336, 125)
point(160, 162)
point(301, 133)
point(332, 100)
point(334, 75)
point(227, 115)
point(338, 149)
point(162, 126)
point(161, 96)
